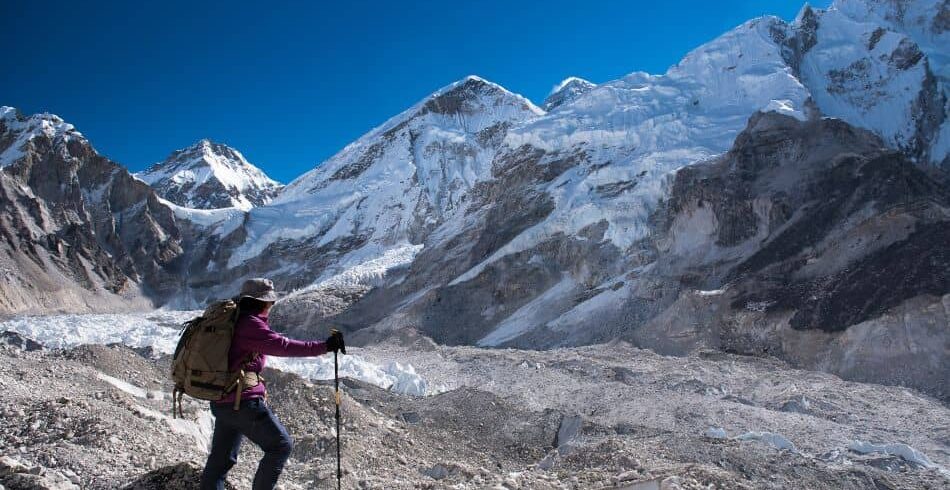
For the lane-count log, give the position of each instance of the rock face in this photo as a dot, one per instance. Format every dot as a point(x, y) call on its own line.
point(77, 231)
point(819, 246)
point(210, 175)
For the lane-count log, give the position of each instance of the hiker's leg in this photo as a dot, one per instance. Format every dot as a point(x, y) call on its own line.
point(268, 433)
point(225, 444)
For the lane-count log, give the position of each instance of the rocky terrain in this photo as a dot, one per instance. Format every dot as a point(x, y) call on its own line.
point(604, 416)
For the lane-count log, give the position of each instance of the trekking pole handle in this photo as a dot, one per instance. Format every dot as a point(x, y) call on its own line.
point(334, 332)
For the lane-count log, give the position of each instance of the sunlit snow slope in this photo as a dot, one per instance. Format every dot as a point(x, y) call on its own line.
point(210, 175)
point(384, 192)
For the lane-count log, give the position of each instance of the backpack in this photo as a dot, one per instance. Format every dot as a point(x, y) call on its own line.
point(200, 364)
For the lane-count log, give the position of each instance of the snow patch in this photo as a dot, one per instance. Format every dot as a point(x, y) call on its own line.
point(224, 220)
point(777, 441)
point(368, 271)
point(123, 385)
point(401, 378)
point(537, 312)
point(716, 433)
point(200, 430)
point(901, 450)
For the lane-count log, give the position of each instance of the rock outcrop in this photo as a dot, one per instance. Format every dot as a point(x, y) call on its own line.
point(77, 231)
point(811, 242)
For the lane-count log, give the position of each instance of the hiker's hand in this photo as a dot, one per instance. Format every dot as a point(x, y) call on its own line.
point(335, 342)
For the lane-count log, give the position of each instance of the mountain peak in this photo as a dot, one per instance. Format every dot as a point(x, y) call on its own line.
point(469, 95)
point(20, 130)
point(567, 91)
point(209, 147)
point(209, 175)
point(571, 81)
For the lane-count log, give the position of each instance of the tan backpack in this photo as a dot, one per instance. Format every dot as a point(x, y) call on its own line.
point(200, 364)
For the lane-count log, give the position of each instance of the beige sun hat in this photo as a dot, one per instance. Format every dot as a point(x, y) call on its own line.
point(260, 289)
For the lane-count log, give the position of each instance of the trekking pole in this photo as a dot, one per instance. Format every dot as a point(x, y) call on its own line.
point(336, 382)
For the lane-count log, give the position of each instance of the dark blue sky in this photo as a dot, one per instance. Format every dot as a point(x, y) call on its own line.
point(290, 83)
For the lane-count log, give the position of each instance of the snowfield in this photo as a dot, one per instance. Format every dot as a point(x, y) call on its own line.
point(159, 331)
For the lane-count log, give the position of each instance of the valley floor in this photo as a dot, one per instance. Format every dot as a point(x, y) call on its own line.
point(605, 416)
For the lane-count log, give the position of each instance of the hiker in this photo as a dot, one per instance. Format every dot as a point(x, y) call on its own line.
point(252, 417)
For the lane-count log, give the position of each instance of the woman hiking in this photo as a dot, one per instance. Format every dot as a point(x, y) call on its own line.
point(254, 340)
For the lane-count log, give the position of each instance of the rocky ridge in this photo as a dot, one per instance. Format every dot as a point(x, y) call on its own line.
point(77, 231)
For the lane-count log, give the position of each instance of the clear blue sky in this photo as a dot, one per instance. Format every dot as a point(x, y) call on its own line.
point(290, 83)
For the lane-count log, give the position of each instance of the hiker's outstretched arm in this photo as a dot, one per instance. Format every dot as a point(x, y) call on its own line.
point(256, 336)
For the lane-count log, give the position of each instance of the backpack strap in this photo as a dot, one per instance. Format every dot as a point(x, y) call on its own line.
point(241, 382)
point(240, 389)
point(177, 395)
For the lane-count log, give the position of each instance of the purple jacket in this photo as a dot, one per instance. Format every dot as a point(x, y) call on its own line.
point(253, 334)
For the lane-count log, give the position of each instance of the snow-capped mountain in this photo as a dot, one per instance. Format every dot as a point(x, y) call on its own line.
point(19, 133)
point(926, 22)
point(385, 192)
point(566, 247)
point(210, 175)
point(566, 92)
point(874, 77)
